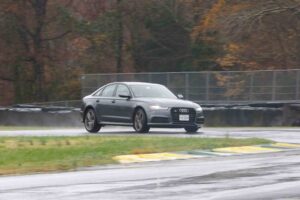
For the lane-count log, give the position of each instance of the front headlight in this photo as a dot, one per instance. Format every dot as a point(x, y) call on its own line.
point(199, 109)
point(157, 107)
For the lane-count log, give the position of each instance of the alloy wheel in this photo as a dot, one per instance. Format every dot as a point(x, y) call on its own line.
point(140, 122)
point(90, 122)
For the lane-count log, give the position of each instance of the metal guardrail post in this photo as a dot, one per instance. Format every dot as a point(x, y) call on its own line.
point(251, 86)
point(297, 85)
point(98, 81)
point(82, 85)
point(186, 83)
point(207, 87)
point(228, 86)
point(274, 86)
point(168, 79)
point(150, 77)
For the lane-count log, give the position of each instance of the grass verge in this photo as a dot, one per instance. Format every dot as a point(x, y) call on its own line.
point(19, 155)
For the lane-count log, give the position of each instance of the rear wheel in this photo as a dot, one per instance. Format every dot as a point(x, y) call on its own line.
point(140, 121)
point(90, 121)
point(191, 129)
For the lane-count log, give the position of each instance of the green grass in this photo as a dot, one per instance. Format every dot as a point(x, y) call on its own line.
point(42, 154)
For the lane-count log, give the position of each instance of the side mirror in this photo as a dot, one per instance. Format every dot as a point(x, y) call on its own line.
point(126, 96)
point(180, 96)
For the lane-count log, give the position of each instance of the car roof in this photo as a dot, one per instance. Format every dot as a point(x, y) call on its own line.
point(126, 83)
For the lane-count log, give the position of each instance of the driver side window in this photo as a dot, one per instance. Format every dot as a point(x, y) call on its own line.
point(108, 91)
point(122, 89)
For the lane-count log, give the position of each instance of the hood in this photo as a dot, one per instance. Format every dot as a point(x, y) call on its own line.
point(169, 102)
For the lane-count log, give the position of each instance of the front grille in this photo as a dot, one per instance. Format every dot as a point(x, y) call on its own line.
point(176, 112)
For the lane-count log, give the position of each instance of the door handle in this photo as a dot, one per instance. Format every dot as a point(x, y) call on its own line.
point(113, 101)
point(97, 101)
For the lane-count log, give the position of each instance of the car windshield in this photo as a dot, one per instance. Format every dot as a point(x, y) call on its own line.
point(152, 91)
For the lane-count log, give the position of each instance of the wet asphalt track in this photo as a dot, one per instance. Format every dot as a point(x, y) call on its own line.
point(269, 176)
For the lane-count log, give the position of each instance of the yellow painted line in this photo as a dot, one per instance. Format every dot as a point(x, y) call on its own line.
point(246, 149)
point(151, 157)
point(285, 145)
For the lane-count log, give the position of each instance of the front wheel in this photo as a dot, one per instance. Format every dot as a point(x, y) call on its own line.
point(140, 121)
point(191, 129)
point(90, 121)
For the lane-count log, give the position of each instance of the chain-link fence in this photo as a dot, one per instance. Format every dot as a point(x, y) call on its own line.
point(214, 87)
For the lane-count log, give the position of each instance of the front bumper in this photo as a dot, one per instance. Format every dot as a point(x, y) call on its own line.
point(170, 118)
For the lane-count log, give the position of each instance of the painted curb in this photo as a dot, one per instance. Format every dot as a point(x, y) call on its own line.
point(226, 151)
point(246, 150)
point(151, 157)
point(285, 145)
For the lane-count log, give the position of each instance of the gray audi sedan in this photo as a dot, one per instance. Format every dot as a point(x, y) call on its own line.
point(141, 105)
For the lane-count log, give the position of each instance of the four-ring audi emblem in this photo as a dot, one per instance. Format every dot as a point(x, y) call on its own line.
point(183, 110)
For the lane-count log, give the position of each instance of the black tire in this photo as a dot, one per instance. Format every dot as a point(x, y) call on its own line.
point(90, 121)
point(191, 129)
point(140, 121)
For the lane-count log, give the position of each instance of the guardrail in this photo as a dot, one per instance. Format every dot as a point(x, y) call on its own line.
point(68, 103)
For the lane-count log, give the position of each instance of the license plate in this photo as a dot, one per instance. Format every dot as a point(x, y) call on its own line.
point(184, 118)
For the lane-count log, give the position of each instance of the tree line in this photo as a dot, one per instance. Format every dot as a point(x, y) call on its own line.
point(45, 45)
